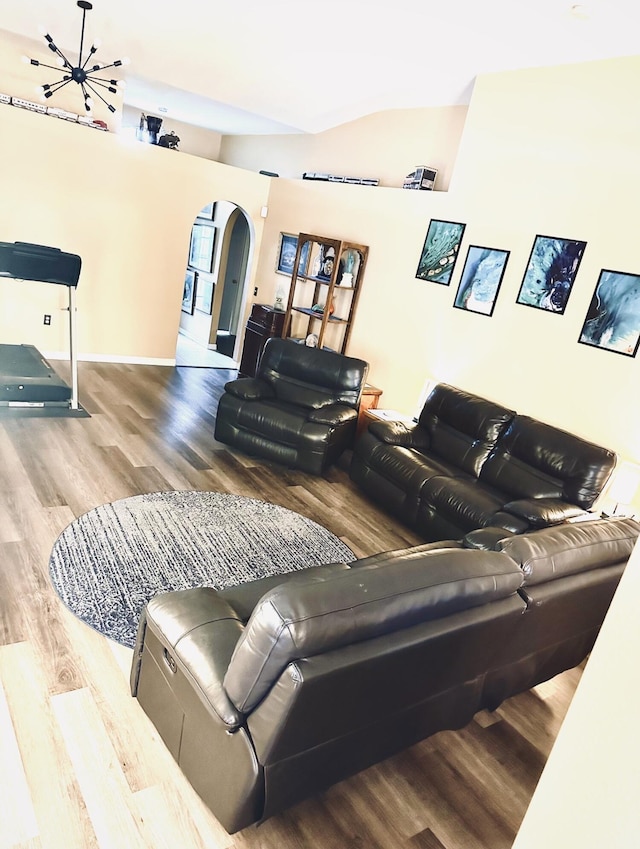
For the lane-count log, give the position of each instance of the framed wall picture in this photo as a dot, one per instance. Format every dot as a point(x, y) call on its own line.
point(551, 272)
point(203, 238)
point(204, 293)
point(481, 279)
point(440, 251)
point(208, 212)
point(188, 291)
point(287, 255)
point(613, 318)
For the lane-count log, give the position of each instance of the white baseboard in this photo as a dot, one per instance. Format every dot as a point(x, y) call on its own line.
point(111, 358)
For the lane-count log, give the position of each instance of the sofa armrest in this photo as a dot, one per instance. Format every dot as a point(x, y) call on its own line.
point(486, 539)
point(333, 414)
point(201, 629)
point(541, 512)
point(406, 434)
point(249, 389)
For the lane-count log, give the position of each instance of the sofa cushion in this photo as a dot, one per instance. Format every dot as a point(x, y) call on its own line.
point(286, 367)
point(536, 460)
point(406, 467)
point(462, 428)
point(556, 552)
point(327, 612)
point(541, 512)
point(465, 503)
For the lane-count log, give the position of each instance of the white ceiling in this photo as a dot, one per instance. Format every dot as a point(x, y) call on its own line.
point(285, 66)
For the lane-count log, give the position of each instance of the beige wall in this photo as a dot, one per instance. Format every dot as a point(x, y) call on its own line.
point(127, 209)
point(386, 146)
point(550, 152)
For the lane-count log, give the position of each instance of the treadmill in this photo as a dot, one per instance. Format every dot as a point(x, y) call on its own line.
point(26, 377)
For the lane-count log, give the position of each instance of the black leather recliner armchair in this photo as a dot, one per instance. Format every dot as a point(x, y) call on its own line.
point(301, 409)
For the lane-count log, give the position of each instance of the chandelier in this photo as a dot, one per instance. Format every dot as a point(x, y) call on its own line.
point(82, 73)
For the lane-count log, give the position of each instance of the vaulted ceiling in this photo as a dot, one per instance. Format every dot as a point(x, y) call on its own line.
point(285, 66)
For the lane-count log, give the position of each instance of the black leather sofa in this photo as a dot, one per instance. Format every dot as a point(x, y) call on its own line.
point(301, 408)
point(470, 463)
point(271, 691)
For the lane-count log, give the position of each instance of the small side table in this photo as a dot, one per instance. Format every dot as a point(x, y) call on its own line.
point(369, 401)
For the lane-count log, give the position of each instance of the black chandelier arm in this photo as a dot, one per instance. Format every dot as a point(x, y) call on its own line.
point(52, 88)
point(97, 93)
point(92, 50)
point(103, 85)
point(103, 80)
point(115, 64)
point(44, 65)
point(54, 47)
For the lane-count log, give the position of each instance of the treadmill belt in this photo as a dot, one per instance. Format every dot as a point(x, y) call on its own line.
point(26, 377)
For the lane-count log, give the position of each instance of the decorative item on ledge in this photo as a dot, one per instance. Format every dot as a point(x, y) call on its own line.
point(333, 178)
point(149, 131)
point(80, 73)
point(32, 106)
point(422, 178)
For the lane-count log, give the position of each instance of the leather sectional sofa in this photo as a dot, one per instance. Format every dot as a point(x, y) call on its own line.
point(271, 691)
point(470, 463)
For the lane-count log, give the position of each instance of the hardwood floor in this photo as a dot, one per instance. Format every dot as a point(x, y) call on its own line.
point(81, 766)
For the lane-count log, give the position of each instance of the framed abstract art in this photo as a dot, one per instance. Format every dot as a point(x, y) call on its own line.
point(440, 251)
point(481, 278)
point(551, 272)
point(613, 318)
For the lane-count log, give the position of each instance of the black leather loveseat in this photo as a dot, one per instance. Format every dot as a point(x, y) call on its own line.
point(470, 463)
point(268, 692)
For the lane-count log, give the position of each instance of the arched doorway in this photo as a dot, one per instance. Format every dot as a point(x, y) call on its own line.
point(216, 279)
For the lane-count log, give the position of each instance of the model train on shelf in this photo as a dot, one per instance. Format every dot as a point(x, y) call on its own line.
point(32, 106)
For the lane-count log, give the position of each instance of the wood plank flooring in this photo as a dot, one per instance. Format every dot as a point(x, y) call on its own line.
point(80, 764)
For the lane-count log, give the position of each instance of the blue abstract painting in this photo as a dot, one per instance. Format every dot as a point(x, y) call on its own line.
point(481, 278)
point(613, 317)
point(440, 251)
point(551, 272)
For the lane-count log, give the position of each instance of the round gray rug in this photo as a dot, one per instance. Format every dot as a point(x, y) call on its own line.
point(107, 564)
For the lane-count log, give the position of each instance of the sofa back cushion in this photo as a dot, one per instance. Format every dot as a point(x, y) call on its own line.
point(304, 618)
point(536, 460)
point(563, 550)
point(311, 377)
point(462, 428)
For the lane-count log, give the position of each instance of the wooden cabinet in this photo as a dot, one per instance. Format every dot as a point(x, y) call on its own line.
point(264, 322)
point(325, 287)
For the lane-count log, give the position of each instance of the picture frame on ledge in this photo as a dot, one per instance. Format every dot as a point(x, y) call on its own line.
point(189, 291)
point(551, 272)
point(613, 318)
point(440, 251)
point(481, 279)
point(287, 255)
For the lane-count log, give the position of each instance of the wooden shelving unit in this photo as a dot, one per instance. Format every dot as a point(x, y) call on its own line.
point(326, 272)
